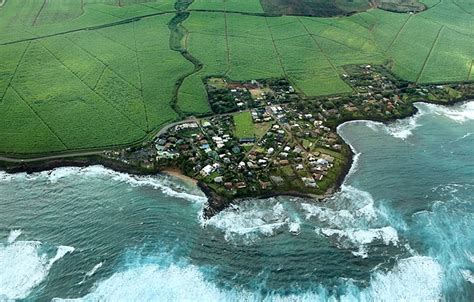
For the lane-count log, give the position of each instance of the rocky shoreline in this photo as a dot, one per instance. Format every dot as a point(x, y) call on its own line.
point(216, 203)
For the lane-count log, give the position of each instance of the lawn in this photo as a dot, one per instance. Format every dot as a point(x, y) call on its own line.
point(244, 126)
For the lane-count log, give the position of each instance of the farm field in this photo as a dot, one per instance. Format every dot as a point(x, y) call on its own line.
point(102, 73)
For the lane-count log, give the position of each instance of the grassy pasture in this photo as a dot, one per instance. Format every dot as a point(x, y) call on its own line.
point(192, 96)
point(244, 126)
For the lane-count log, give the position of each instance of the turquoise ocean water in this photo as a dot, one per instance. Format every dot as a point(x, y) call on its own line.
point(402, 228)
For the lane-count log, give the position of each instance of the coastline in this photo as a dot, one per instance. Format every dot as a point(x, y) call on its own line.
point(174, 172)
point(216, 202)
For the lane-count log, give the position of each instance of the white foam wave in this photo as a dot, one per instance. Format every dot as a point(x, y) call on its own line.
point(251, 219)
point(295, 228)
point(458, 113)
point(157, 182)
point(13, 235)
point(5, 177)
point(352, 221)
point(402, 129)
point(361, 238)
point(94, 269)
point(468, 275)
point(23, 267)
point(151, 282)
point(412, 279)
point(346, 209)
point(464, 136)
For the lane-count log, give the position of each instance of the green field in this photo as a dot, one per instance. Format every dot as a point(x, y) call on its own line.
point(94, 74)
point(244, 126)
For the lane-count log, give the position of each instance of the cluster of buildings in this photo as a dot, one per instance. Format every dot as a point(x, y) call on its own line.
point(298, 149)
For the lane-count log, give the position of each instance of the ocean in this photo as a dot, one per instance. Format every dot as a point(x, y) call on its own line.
point(400, 229)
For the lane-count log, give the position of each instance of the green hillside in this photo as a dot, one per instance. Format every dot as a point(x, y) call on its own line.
point(80, 75)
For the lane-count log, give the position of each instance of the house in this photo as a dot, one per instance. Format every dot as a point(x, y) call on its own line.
point(207, 170)
point(309, 182)
point(318, 176)
point(322, 161)
point(228, 185)
point(218, 179)
point(247, 140)
point(241, 185)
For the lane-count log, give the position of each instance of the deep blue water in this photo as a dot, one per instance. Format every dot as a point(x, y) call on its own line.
point(400, 229)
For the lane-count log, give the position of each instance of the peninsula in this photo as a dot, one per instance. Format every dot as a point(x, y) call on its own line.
point(266, 139)
point(242, 96)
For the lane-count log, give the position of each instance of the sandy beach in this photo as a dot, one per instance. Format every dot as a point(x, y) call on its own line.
point(178, 174)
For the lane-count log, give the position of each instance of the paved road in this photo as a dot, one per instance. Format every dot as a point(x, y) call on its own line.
point(27, 160)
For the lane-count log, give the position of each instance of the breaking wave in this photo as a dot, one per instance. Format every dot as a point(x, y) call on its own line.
point(165, 184)
point(403, 128)
point(361, 238)
point(412, 279)
point(24, 265)
point(458, 113)
point(250, 219)
point(14, 234)
point(350, 219)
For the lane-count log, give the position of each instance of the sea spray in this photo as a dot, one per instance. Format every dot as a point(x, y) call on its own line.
point(251, 219)
point(24, 267)
point(415, 278)
point(14, 234)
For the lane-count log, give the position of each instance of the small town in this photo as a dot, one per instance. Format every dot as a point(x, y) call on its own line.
point(266, 139)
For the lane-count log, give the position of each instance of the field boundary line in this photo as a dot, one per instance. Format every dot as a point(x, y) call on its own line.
point(102, 62)
point(115, 42)
point(39, 13)
point(398, 33)
point(333, 25)
point(39, 117)
point(105, 13)
point(462, 8)
point(226, 39)
point(93, 91)
point(140, 78)
point(276, 51)
point(91, 28)
point(423, 67)
point(15, 71)
point(335, 41)
point(320, 48)
point(100, 77)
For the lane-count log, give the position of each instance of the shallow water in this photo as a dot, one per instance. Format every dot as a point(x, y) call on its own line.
point(400, 229)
